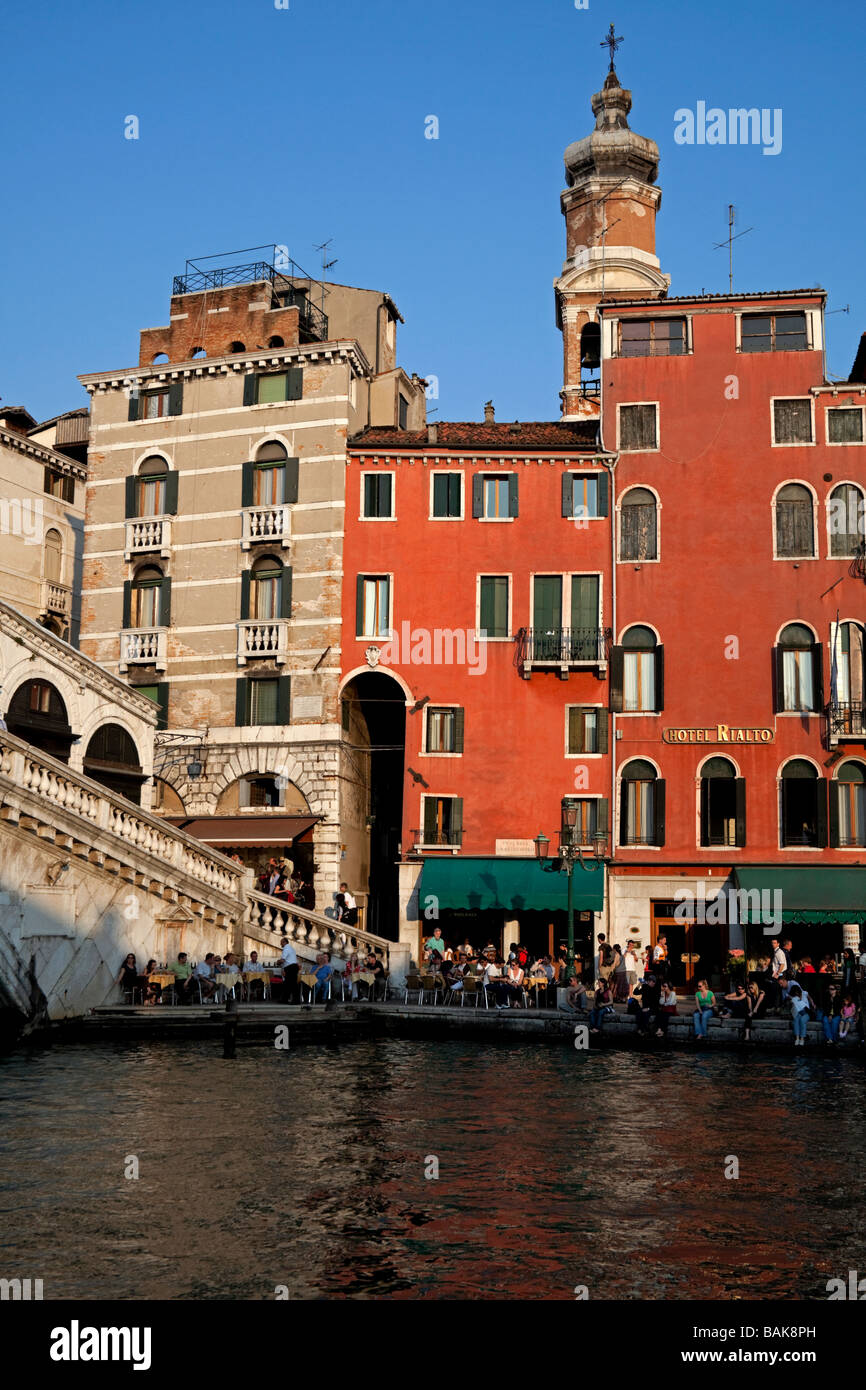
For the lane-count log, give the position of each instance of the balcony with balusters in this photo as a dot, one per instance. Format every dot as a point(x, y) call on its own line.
point(143, 647)
point(56, 598)
point(263, 637)
point(148, 535)
point(271, 523)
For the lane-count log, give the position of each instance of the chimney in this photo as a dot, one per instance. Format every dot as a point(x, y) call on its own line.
point(489, 415)
point(432, 432)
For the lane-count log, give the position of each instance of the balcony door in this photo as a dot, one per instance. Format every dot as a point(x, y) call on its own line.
point(584, 617)
point(547, 617)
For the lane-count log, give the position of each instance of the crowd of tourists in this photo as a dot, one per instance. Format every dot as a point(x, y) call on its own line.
point(505, 978)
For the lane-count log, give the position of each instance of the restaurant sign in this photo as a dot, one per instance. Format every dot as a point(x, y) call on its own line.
point(718, 733)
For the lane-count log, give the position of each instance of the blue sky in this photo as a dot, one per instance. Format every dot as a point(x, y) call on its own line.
point(297, 125)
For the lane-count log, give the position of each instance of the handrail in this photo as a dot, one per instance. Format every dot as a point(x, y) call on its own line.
point(308, 928)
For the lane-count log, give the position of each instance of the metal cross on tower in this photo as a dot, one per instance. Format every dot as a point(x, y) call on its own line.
point(612, 42)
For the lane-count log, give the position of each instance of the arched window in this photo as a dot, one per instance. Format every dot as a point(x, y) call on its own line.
point(637, 672)
point(198, 352)
point(848, 806)
point(276, 341)
point(38, 715)
point(165, 800)
point(804, 805)
point(237, 347)
point(151, 486)
point(160, 357)
point(147, 603)
point(798, 670)
point(795, 529)
point(638, 526)
point(269, 475)
point(847, 678)
point(111, 758)
point(642, 805)
point(53, 558)
point(590, 347)
point(723, 804)
point(267, 582)
point(845, 518)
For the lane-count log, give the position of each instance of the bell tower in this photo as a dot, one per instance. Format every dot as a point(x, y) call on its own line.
point(610, 207)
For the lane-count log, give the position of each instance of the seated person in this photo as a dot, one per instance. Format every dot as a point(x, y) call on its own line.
point(129, 979)
point(204, 975)
point(182, 972)
point(152, 990)
point(323, 972)
point(576, 996)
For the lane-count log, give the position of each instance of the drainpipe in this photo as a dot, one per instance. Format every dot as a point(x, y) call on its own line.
point(610, 464)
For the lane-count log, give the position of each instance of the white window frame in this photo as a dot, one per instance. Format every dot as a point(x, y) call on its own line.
point(566, 576)
point(800, 444)
point(438, 796)
point(580, 757)
point(796, 849)
point(438, 472)
point(844, 443)
point(378, 473)
point(633, 757)
point(487, 476)
point(814, 328)
point(586, 473)
point(816, 546)
point(831, 488)
point(494, 574)
point(643, 449)
point(616, 334)
point(439, 704)
point(380, 636)
point(630, 488)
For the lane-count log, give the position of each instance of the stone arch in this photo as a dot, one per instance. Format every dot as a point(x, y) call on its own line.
point(386, 671)
point(271, 761)
point(36, 668)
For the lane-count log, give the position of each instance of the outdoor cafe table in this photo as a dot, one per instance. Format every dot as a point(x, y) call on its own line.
point(161, 977)
point(537, 982)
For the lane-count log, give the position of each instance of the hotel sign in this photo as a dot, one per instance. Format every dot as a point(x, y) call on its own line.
point(718, 733)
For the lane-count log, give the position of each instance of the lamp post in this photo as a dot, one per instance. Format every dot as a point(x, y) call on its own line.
point(571, 852)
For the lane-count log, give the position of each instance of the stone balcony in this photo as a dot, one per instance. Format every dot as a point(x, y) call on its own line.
point(270, 523)
point(148, 535)
point(56, 598)
point(143, 646)
point(263, 638)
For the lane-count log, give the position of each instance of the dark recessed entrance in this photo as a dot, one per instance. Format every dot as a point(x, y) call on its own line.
point(38, 715)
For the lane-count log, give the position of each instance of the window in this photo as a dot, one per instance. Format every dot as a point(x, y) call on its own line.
point(402, 411)
point(263, 700)
point(638, 427)
point(642, 805)
point(845, 519)
point(591, 818)
point(377, 495)
point(266, 591)
point(373, 605)
point(159, 695)
point(637, 673)
point(773, 333)
point(153, 405)
point(494, 498)
point(236, 347)
point(845, 425)
point(848, 807)
point(798, 670)
point(447, 495)
point(40, 697)
point(638, 525)
point(269, 475)
point(149, 601)
point(493, 616)
point(804, 806)
point(795, 523)
point(847, 672)
point(269, 387)
point(151, 487)
point(584, 495)
point(565, 634)
point(444, 729)
point(259, 791)
point(60, 485)
point(587, 730)
point(792, 421)
point(443, 820)
point(723, 804)
point(652, 337)
point(53, 556)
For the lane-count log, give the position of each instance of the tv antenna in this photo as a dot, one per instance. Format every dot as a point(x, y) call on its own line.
point(326, 264)
point(729, 242)
point(846, 310)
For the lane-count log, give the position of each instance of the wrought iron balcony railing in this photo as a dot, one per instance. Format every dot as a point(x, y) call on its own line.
point(437, 839)
point(562, 646)
point(847, 719)
point(313, 320)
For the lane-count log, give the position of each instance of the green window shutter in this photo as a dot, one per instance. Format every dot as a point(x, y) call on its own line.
point(175, 398)
point(740, 812)
point(458, 730)
point(134, 403)
point(659, 793)
point(601, 725)
point(705, 810)
point(245, 595)
point(602, 817)
point(291, 480)
point(602, 494)
point(617, 672)
point(165, 603)
point(660, 677)
point(512, 494)
point(46, 480)
point(454, 483)
point(834, 814)
point(130, 497)
point(576, 729)
point(250, 388)
point(127, 603)
point(162, 692)
point(568, 495)
point(457, 820)
point(171, 492)
point(821, 827)
point(478, 495)
point(241, 701)
point(247, 480)
point(284, 699)
point(294, 383)
point(286, 593)
point(68, 488)
point(359, 606)
point(778, 680)
point(818, 674)
point(429, 820)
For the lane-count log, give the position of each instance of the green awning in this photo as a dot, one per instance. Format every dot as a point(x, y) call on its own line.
point(508, 885)
point(808, 894)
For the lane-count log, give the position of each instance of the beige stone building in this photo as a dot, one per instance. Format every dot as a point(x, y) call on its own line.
point(41, 520)
point(213, 546)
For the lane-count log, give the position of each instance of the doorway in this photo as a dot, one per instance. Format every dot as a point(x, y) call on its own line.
point(695, 948)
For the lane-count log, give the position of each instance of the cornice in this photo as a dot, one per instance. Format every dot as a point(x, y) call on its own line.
point(43, 454)
point(152, 374)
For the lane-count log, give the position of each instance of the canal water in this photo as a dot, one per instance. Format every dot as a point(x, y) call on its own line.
point(306, 1169)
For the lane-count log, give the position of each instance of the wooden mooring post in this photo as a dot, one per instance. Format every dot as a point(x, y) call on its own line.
point(230, 1028)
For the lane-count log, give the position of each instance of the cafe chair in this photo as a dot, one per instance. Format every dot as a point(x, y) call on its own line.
point(413, 986)
point(430, 985)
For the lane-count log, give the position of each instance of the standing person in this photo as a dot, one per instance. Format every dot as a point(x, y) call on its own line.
point(291, 971)
point(350, 913)
point(604, 958)
point(849, 972)
point(621, 989)
point(632, 966)
point(660, 956)
point(434, 944)
point(704, 1002)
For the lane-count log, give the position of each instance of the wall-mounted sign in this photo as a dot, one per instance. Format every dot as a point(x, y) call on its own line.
point(516, 849)
point(718, 733)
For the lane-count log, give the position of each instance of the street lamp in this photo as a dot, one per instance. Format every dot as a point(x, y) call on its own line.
point(571, 852)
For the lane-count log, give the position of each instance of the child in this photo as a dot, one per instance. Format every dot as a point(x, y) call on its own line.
point(848, 1013)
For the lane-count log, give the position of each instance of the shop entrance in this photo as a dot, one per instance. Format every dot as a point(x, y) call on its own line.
point(695, 949)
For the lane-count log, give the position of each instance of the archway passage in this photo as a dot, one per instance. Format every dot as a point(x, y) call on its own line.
point(374, 723)
point(38, 715)
point(112, 759)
